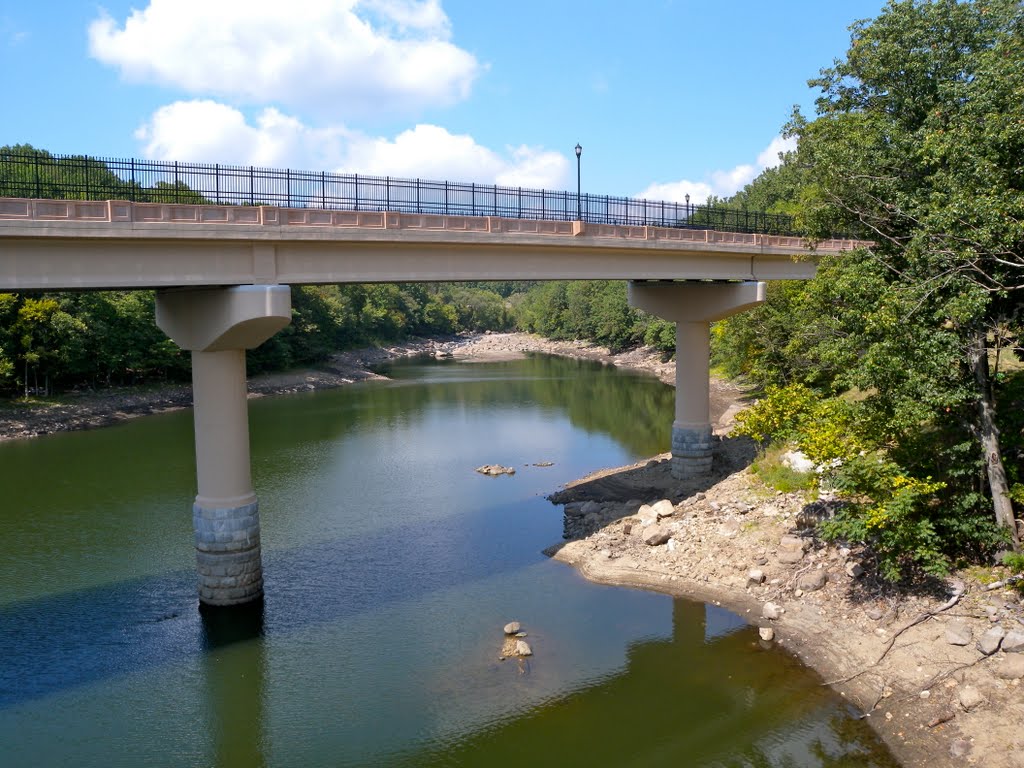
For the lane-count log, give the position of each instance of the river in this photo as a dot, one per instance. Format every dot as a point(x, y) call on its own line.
point(390, 569)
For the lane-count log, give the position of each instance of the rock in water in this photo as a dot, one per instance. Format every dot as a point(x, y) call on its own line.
point(513, 627)
point(523, 648)
point(495, 469)
point(767, 634)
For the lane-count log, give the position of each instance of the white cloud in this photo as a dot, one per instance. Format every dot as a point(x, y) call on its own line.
point(324, 56)
point(720, 183)
point(207, 131)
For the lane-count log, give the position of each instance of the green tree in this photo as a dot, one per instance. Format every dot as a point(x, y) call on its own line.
point(918, 141)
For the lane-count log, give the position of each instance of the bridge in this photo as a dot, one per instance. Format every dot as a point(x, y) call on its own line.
point(222, 262)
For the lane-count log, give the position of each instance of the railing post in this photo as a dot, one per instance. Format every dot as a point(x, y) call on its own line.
point(495, 207)
point(133, 180)
point(288, 185)
point(357, 191)
point(176, 181)
point(446, 198)
point(323, 191)
point(418, 196)
point(252, 191)
point(216, 180)
point(472, 201)
point(387, 193)
point(543, 210)
point(519, 203)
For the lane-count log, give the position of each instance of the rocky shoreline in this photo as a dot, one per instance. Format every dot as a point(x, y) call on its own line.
point(937, 672)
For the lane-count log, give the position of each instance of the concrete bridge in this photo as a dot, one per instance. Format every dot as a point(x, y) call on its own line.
point(222, 274)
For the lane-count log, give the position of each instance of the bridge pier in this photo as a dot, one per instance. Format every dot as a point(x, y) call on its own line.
point(693, 306)
point(217, 325)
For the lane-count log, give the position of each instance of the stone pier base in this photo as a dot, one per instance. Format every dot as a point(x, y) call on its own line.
point(691, 451)
point(228, 554)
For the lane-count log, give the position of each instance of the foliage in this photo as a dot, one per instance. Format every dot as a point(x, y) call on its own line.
point(595, 310)
point(771, 470)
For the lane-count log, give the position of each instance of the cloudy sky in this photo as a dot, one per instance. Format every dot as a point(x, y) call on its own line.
point(667, 98)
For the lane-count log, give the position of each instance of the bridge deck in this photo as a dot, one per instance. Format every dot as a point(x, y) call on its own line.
point(70, 244)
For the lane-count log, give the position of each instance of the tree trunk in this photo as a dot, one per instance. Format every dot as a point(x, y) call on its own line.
point(989, 433)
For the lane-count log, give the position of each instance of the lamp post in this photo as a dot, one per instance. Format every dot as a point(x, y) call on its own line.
point(687, 209)
point(579, 202)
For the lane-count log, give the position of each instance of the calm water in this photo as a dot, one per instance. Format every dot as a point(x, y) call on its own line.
point(390, 568)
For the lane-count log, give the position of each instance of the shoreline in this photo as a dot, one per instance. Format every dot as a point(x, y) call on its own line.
point(933, 703)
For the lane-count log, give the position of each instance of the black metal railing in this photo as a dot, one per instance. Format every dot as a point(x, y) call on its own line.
point(77, 177)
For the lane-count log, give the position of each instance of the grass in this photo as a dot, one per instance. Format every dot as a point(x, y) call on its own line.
point(768, 467)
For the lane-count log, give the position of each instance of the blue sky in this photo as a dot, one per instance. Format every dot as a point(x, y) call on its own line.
point(666, 97)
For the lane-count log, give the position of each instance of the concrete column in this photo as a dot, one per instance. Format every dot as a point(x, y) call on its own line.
point(691, 429)
point(218, 325)
point(693, 306)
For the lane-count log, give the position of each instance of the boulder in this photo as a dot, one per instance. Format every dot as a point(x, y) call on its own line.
point(771, 611)
point(513, 627)
point(1013, 642)
point(789, 556)
point(970, 698)
point(523, 648)
point(663, 508)
point(959, 633)
point(495, 469)
point(1011, 668)
point(854, 570)
point(646, 515)
point(655, 536)
point(811, 581)
point(755, 578)
point(989, 642)
point(767, 634)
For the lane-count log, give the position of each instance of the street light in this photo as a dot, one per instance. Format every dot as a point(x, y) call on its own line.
point(579, 203)
point(687, 209)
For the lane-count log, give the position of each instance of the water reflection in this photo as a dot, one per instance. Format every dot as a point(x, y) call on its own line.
point(234, 672)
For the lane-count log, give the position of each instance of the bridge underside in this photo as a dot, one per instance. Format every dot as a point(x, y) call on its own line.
point(223, 276)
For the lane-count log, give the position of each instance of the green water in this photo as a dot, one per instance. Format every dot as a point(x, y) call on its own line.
point(390, 568)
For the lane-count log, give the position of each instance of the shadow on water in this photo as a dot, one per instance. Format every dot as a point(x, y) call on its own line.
point(78, 637)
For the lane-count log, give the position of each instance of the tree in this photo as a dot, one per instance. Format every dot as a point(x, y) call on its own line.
point(918, 142)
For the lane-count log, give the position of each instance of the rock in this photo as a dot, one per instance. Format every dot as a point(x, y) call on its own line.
point(495, 469)
point(789, 541)
point(771, 611)
point(854, 570)
point(790, 556)
point(755, 578)
point(811, 581)
point(513, 627)
point(544, 464)
point(663, 508)
point(970, 698)
point(646, 515)
point(875, 614)
point(959, 633)
point(761, 560)
point(989, 642)
point(523, 648)
point(960, 748)
point(655, 536)
point(1013, 642)
point(767, 634)
point(797, 461)
point(591, 508)
point(1012, 668)
point(574, 509)
point(729, 528)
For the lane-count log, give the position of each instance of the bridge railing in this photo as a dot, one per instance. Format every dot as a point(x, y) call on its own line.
point(36, 174)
